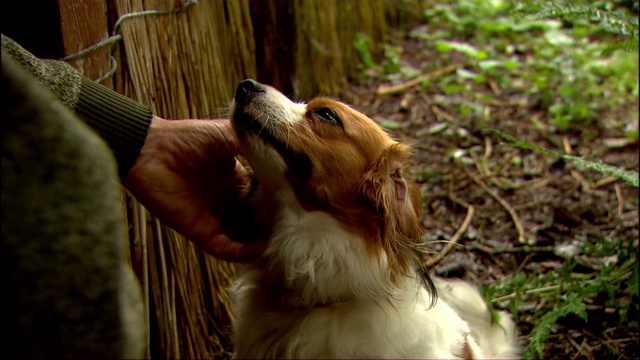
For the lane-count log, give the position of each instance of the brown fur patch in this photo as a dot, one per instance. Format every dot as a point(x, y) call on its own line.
point(360, 176)
point(465, 352)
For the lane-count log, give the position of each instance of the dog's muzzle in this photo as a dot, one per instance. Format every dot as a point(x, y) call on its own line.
point(245, 120)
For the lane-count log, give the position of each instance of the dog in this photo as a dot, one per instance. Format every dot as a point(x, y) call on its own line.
point(343, 273)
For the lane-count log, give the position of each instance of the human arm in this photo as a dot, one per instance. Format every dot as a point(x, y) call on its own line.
point(183, 171)
point(120, 121)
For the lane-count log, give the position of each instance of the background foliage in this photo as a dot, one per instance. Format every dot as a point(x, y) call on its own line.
point(550, 76)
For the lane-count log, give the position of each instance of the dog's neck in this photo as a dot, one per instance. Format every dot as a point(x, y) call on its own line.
point(289, 298)
point(297, 295)
point(313, 260)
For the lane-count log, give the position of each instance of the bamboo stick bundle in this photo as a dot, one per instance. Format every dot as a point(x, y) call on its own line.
point(326, 31)
point(184, 65)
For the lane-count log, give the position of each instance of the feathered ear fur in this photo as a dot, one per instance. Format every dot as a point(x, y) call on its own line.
point(396, 200)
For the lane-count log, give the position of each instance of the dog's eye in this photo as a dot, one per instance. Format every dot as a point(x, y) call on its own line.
point(327, 115)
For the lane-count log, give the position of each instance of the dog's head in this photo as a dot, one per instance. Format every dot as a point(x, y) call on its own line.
point(340, 185)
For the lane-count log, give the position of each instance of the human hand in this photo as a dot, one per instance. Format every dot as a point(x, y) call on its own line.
point(187, 175)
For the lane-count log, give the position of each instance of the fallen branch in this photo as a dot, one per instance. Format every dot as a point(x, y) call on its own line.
point(454, 239)
point(540, 290)
point(395, 89)
point(514, 217)
point(577, 347)
point(604, 182)
point(441, 114)
point(620, 198)
point(523, 249)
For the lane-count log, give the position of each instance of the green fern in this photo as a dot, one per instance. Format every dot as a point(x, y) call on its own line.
point(615, 22)
point(630, 45)
point(574, 305)
point(618, 22)
point(567, 292)
point(633, 283)
point(626, 175)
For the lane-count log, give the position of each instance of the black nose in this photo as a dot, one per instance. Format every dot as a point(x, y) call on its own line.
point(247, 89)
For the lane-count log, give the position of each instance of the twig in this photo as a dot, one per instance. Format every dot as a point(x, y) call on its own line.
point(454, 239)
point(579, 178)
point(488, 148)
point(586, 187)
point(394, 89)
point(506, 160)
point(516, 221)
point(620, 198)
point(495, 89)
point(604, 182)
point(606, 343)
point(566, 144)
point(440, 113)
point(452, 196)
point(524, 262)
point(524, 249)
point(575, 345)
point(527, 292)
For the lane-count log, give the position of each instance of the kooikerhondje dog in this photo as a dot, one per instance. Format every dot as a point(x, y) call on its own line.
point(343, 274)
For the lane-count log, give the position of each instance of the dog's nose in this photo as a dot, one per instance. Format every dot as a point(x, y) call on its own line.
point(247, 89)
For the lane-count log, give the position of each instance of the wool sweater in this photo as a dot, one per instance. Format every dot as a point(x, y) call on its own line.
point(68, 288)
point(120, 121)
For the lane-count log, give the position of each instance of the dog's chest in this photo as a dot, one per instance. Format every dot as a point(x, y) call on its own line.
point(348, 330)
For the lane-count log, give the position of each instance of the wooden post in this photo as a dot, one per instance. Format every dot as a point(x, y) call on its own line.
point(274, 33)
point(83, 24)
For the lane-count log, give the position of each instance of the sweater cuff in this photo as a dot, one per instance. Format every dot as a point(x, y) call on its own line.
point(120, 121)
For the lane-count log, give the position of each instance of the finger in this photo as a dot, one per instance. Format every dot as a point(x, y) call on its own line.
point(223, 248)
point(241, 172)
point(225, 132)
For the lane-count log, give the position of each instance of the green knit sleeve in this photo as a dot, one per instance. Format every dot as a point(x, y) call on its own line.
point(120, 121)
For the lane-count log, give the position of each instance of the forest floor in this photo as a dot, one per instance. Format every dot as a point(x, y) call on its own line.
point(547, 239)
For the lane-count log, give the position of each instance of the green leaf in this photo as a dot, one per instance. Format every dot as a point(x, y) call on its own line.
point(390, 125)
point(437, 128)
point(489, 64)
point(467, 49)
point(362, 44)
point(558, 38)
point(466, 74)
point(511, 64)
point(454, 88)
point(535, 24)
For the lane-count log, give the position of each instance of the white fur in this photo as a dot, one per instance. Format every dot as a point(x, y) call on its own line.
point(327, 264)
point(496, 340)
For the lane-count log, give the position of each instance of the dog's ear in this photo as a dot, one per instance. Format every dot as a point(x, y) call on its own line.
point(394, 197)
point(389, 189)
